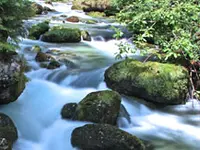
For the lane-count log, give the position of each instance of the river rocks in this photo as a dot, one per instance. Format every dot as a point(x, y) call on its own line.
point(73, 19)
point(36, 49)
point(152, 81)
point(98, 107)
point(42, 57)
point(92, 5)
point(12, 78)
point(37, 30)
point(104, 137)
point(53, 64)
point(38, 8)
point(8, 132)
point(62, 35)
point(68, 110)
point(86, 36)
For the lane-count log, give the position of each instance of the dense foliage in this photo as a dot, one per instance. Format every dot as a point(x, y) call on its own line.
point(12, 12)
point(171, 25)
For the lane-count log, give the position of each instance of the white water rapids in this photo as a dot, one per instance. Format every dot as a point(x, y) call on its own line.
point(36, 113)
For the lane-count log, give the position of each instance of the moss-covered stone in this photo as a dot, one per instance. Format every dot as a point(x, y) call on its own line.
point(53, 64)
point(68, 110)
point(12, 78)
point(104, 137)
point(153, 81)
point(62, 35)
point(99, 107)
point(36, 49)
point(37, 7)
point(37, 30)
point(42, 57)
point(86, 36)
point(8, 131)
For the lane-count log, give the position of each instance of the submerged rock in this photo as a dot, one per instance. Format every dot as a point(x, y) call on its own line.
point(62, 35)
point(98, 107)
point(104, 137)
point(42, 57)
point(37, 30)
point(152, 81)
point(8, 132)
point(86, 36)
point(12, 78)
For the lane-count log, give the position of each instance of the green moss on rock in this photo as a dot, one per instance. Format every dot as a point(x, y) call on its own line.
point(62, 35)
point(104, 137)
point(96, 14)
point(37, 30)
point(153, 81)
point(99, 107)
point(7, 129)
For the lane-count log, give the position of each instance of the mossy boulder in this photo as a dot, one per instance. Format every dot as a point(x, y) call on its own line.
point(43, 57)
point(37, 30)
point(36, 49)
point(73, 19)
point(38, 8)
point(62, 35)
point(152, 81)
point(86, 36)
point(53, 64)
point(68, 110)
point(12, 78)
point(8, 132)
point(99, 107)
point(104, 137)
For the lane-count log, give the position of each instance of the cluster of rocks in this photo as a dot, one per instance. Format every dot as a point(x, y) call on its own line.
point(155, 82)
point(101, 108)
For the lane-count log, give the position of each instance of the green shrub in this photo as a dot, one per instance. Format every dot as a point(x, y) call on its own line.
point(12, 13)
point(38, 29)
point(171, 25)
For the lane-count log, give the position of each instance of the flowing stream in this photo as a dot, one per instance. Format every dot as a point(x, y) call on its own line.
point(36, 113)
